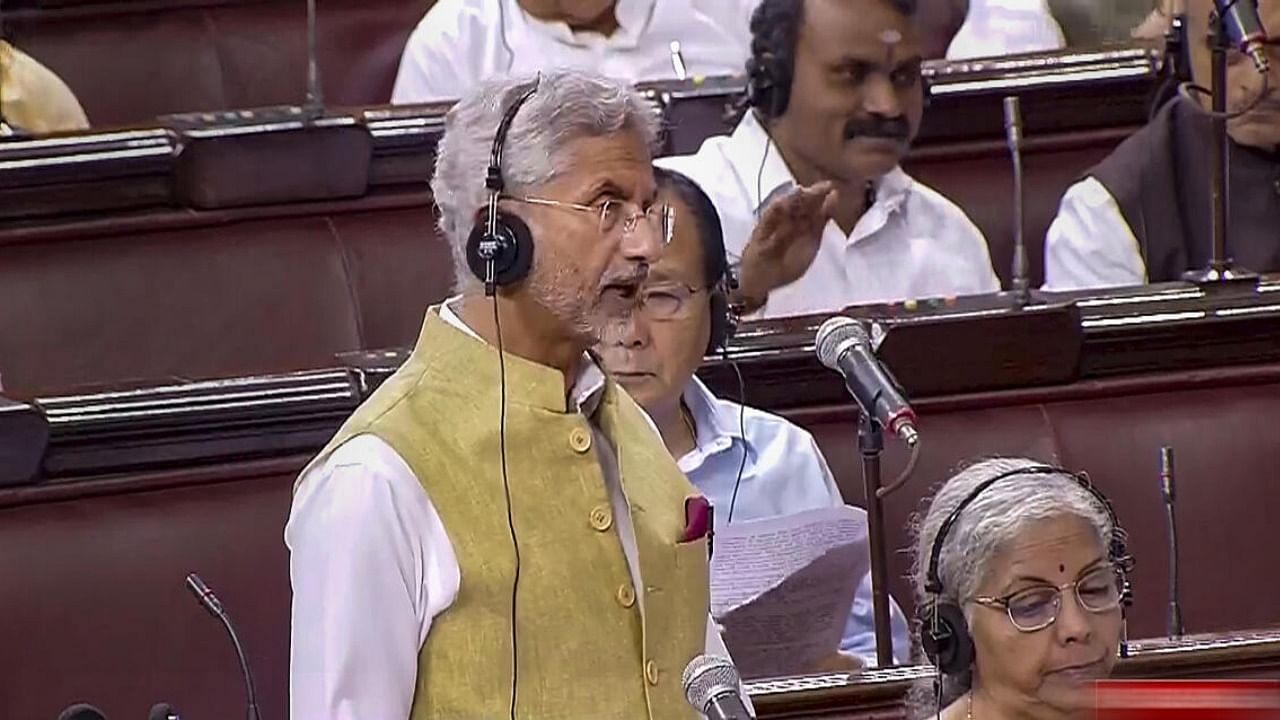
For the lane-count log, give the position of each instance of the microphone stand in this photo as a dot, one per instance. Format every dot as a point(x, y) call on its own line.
point(314, 104)
point(871, 445)
point(1220, 269)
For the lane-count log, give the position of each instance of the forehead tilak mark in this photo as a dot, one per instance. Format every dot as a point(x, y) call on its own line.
point(891, 38)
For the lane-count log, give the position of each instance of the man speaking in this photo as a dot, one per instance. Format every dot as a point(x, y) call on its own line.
point(498, 532)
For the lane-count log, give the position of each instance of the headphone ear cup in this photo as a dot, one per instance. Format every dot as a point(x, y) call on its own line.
point(722, 324)
point(944, 637)
point(767, 89)
point(510, 248)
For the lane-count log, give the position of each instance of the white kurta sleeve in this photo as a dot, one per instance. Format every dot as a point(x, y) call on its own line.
point(370, 567)
point(1089, 244)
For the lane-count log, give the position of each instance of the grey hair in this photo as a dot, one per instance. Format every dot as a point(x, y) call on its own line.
point(568, 104)
point(986, 527)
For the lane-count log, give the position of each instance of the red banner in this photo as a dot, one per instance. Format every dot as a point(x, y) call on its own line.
point(1188, 699)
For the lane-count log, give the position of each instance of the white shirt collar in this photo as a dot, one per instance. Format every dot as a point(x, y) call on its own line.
point(755, 157)
point(633, 18)
point(717, 424)
point(588, 388)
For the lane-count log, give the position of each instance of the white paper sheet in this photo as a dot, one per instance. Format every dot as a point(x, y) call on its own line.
point(782, 587)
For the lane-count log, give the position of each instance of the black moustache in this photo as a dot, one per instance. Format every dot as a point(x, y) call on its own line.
point(892, 129)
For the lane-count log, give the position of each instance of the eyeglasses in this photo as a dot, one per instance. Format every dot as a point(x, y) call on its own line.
point(615, 215)
point(667, 301)
point(1036, 608)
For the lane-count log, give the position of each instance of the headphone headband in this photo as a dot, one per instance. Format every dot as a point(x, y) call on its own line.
point(1115, 550)
point(493, 178)
point(500, 246)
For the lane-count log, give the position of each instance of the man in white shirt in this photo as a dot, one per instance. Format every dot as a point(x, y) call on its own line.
point(749, 463)
point(459, 42)
point(1144, 213)
point(497, 531)
point(1006, 27)
point(836, 97)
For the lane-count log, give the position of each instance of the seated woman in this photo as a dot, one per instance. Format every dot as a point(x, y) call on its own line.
point(1020, 577)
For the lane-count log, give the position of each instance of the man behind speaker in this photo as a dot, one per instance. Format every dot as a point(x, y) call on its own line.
point(1144, 213)
point(836, 95)
point(455, 554)
point(749, 463)
point(1022, 610)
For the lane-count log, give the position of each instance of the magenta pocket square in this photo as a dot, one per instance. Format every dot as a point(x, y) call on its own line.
point(699, 518)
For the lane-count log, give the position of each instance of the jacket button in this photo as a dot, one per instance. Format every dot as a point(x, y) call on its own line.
point(651, 672)
point(626, 596)
point(601, 518)
point(580, 440)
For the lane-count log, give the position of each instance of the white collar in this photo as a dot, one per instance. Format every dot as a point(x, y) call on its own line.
point(633, 19)
point(717, 424)
point(588, 387)
point(754, 156)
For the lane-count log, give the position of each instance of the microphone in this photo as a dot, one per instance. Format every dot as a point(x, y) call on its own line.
point(712, 686)
point(81, 711)
point(163, 711)
point(315, 96)
point(1244, 29)
point(1167, 491)
point(211, 603)
point(1013, 137)
point(843, 345)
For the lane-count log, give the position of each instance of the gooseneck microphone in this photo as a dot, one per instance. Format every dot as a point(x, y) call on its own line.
point(1013, 138)
point(844, 346)
point(211, 603)
point(1171, 517)
point(1244, 29)
point(81, 711)
point(712, 686)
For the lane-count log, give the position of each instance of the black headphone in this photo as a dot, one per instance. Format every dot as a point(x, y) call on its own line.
point(500, 246)
point(724, 321)
point(944, 632)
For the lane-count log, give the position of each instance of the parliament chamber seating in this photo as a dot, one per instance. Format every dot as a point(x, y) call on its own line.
point(254, 247)
point(129, 61)
point(136, 489)
point(232, 251)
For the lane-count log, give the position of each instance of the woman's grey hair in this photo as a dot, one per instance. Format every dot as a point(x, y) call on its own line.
point(987, 526)
point(568, 104)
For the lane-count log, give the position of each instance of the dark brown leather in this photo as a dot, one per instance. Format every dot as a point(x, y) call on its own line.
point(274, 168)
point(129, 61)
point(220, 294)
point(94, 593)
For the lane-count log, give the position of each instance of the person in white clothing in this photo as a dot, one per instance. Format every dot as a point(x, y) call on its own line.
point(835, 97)
point(499, 519)
point(1144, 213)
point(459, 42)
point(1006, 27)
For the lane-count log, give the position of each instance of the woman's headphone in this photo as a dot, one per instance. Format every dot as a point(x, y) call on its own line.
point(500, 246)
point(944, 632)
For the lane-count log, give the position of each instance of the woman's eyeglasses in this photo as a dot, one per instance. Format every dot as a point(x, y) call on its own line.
point(1036, 608)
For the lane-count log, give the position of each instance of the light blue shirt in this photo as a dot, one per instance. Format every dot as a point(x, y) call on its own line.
point(784, 473)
